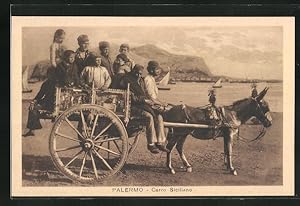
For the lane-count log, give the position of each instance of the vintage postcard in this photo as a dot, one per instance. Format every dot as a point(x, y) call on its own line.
point(152, 106)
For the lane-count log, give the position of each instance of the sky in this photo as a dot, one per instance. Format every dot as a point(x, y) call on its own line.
point(236, 51)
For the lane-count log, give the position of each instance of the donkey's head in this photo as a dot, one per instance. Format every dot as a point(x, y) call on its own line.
point(261, 108)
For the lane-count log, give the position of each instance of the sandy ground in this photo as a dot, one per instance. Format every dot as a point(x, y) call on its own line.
point(258, 163)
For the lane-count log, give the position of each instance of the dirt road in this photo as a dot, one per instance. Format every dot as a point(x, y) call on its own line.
point(258, 163)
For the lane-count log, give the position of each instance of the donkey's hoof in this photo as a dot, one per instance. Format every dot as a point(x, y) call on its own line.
point(233, 172)
point(172, 171)
point(189, 169)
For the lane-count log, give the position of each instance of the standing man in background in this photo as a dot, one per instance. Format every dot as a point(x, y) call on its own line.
point(82, 53)
point(106, 61)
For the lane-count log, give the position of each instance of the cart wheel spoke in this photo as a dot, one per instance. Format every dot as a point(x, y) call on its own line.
point(67, 148)
point(103, 160)
point(108, 150)
point(117, 146)
point(94, 125)
point(82, 165)
point(74, 158)
point(104, 130)
point(94, 165)
point(72, 126)
point(67, 137)
point(107, 140)
point(84, 124)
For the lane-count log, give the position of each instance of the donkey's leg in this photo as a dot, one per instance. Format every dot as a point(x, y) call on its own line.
point(229, 139)
point(225, 153)
point(179, 148)
point(172, 140)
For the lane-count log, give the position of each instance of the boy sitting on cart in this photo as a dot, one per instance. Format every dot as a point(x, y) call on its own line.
point(66, 74)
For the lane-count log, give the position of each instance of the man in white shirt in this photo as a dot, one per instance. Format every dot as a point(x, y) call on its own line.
point(151, 91)
point(95, 74)
point(151, 88)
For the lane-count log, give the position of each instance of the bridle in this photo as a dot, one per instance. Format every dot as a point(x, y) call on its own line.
point(260, 110)
point(263, 129)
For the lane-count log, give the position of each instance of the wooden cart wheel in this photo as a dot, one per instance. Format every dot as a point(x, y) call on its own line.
point(88, 143)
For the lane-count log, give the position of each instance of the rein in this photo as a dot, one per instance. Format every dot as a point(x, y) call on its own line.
point(243, 139)
point(258, 137)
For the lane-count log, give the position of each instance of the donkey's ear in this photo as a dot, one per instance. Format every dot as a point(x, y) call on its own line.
point(267, 88)
point(261, 95)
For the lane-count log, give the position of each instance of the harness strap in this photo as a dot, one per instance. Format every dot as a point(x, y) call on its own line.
point(185, 113)
point(223, 111)
point(232, 124)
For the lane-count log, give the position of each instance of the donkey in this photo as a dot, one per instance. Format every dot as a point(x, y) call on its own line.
point(232, 117)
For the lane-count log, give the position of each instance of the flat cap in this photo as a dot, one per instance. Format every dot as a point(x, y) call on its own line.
point(83, 38)
point(68, 53)
point(103, 44)
point(153, 64)
point(123, 57)
point(137, 67)
point(124, 45)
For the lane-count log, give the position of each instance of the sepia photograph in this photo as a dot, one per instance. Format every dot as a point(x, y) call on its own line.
point(152, 106)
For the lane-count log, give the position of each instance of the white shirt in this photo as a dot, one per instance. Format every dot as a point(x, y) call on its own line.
point(151, 88)
point(98, 75)
point(56, 52)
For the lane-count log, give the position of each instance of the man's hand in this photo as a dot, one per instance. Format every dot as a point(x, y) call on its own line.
point(148, 101)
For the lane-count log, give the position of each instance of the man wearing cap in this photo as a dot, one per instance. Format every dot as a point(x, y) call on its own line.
point(82, 53)
point(151, 88)
point(124, 49)
point(106, 61)
point(141, 104)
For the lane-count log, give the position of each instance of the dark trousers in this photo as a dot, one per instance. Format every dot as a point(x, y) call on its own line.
point(44, 101)
point(33, 121)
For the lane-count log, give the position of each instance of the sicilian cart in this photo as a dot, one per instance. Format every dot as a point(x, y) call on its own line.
point(94, 132)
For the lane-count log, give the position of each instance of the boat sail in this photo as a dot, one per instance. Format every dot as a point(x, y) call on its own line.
point(165, 80)
point(162, 84)
point(218, 84)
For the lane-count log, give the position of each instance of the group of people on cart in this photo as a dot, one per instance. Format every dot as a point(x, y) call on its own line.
point(84, 69)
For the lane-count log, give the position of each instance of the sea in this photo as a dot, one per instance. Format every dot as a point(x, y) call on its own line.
point(196, 94)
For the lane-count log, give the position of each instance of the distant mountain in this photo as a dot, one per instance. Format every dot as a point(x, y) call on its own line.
point(181, 65)
point(177, 63)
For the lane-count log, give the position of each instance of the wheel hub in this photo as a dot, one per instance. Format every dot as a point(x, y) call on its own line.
point(89, 144)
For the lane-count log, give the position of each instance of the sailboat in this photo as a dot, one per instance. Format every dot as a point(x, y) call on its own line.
point(25, 86)
point(162, 84)
point(218, 84)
